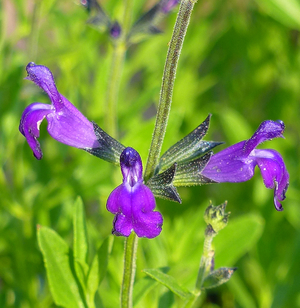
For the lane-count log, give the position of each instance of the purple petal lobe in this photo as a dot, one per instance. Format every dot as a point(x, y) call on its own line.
point(133, 202)
point(30, 122)
point(237, 162)
point(274, 173)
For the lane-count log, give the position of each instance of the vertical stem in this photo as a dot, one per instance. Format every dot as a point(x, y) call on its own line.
point(118, 57)
point(166, 92)
point(34, 35)
point(113, 88)
point(205, 262)
point(129, 270)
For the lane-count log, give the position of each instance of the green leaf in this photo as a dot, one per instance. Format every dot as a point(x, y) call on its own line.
point(98, 269)
point(58, 260)
point(80, 242)
point(169, 282)
point(141, 288)
point(285, 11)
point(237, 238)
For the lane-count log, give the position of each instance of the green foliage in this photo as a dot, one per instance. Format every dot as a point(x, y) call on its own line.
point(169, 282)
point(240, 62)
point(58, 260)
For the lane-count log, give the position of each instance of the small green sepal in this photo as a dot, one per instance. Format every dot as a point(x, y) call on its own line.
point(189, 173)
point(110, 149)
point(162, 185)
point(190, 148)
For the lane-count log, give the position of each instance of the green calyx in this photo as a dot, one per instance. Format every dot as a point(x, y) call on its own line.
point(216, 217)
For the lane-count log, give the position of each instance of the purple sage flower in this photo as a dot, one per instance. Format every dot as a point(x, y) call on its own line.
point(237, 162)
point(168, 5)
point(133, 202)
point(66, 124)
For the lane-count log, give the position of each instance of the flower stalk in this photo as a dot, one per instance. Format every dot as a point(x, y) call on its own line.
point(166, 92)
point(129, 270)
point(117, 64)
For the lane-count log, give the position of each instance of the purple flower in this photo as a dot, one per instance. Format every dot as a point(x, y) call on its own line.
point(65, 123)
point(133, 202)
point(237, 163)
point(168, 5)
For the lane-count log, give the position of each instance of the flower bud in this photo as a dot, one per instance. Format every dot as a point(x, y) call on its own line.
point(216, 217)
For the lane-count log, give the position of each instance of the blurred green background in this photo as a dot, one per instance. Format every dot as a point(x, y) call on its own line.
point(240, 62)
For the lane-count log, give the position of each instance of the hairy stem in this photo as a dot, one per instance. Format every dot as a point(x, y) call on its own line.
point(166, 92)
point(129, 270)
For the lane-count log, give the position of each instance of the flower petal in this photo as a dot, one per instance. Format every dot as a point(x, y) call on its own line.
point(230, 165)
point(133, 202)
point(70, 127)
point(30, 122)
point(122, 225)
point(131, 166)
point(42, 77)
point(267, 130)
point(274, 173)
point(134, 207)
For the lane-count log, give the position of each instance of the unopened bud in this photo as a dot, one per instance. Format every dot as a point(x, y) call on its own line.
point(216, 216)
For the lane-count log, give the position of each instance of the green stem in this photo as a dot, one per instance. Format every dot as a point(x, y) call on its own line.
point(117, 64)
point(166, 92)
point(129, 270)
point(113, 88)
point(205, 262)
point(192, 301)
point(35, 26)
point(204, 269)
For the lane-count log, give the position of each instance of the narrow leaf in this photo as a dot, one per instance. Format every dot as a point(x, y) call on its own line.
point(80, 232)
point(98, 269)
point(285, 11)
point(61, 277)
point(80, 245)
point(169, 282)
